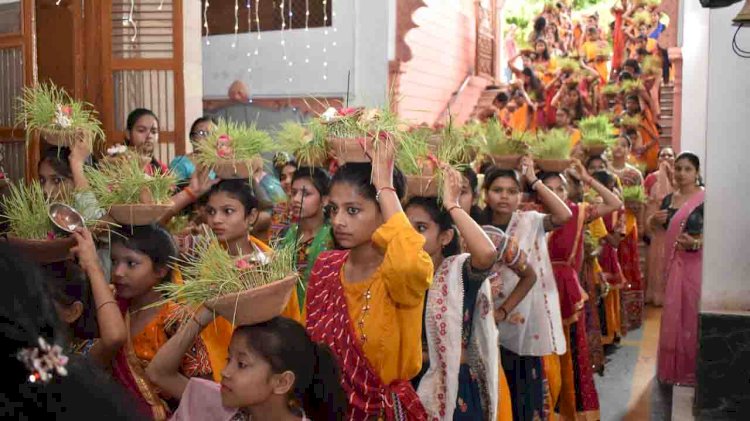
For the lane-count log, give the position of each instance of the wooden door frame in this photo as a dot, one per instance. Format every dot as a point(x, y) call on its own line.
point(110, 64)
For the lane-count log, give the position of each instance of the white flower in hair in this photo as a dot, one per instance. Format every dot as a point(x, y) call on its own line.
point(330, 114)
point(43, 361)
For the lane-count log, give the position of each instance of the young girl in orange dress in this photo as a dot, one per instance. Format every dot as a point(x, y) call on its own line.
point(141, 257)
point(365, 301)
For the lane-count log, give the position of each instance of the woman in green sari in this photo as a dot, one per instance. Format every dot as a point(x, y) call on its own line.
point(309, 230)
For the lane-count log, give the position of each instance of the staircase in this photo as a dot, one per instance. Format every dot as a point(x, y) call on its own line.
point(666, 120)
point(485, 100)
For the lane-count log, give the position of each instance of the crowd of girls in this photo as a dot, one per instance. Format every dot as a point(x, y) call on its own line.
point(493, 302)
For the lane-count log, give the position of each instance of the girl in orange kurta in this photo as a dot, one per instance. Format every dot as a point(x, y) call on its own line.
point(140, 260)
point(365, 302)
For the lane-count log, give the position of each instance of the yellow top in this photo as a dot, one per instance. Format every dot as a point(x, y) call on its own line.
point(575, 137)
point(393, 323)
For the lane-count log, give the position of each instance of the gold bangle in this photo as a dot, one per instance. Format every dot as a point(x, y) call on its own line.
point(105, 303)
point(456, 206)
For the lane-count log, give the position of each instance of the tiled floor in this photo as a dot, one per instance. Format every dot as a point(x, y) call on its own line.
point(629, 389)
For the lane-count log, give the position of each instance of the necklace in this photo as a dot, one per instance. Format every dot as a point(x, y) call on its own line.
point(365, 310)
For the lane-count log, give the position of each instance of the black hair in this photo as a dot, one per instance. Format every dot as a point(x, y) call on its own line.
point(359, 175)
point(535, 85)
point(285, 345)
point(544, 176)
point(593, 158)
point(136, 115)
point(152, 240)
point(239, 189)
point(200, 120)
point(58, 159)
point(495, 173)
point(694, 161)
point(545, 54)
point(319, 178)
point(281, 160)
point(539, 24)
point(502, 97)
point(27, 314)
point(486, 166)
point(67, 284)
point(626, 76)
point(470, 175)
point(441, 217)
point(642, 52)
point(631, 62)
point(605, 178)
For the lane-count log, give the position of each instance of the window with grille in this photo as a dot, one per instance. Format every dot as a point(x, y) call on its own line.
point(265, 14)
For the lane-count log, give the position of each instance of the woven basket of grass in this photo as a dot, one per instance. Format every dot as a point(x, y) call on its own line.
point(358, 149)
point(425, 184)
point(43, 251)
point(138, 214)
point(49, 110)
point(254, 305)
point(231, 148)
point(30, 229)
point(132, 197)
point(551, 150)
point(306, 143)
point(252, 289)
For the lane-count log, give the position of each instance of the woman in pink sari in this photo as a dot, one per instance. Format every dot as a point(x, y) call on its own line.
point(682, 215)
point(658, 185)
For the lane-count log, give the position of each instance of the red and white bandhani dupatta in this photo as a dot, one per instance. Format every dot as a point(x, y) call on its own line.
point(438, 389)
point(328, 322)
point(534, 327)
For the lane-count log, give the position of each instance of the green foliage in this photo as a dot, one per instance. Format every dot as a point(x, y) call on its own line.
point(42, 106)
point(233, 141)
point(597, 131)
point(634, 194)
point(210, 272)
point(296, 139)
point(498, 143)
point(552, 144)
point(26, 211)
point(122, 181)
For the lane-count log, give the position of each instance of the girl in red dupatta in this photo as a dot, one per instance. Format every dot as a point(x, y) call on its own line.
point(627, 251)
point(682, 214)
point(140, 259)
point(578, 397)
point(365, 302)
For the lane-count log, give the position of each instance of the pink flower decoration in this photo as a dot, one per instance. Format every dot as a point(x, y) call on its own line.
point(67, 110)
point(242, 264)
point(223, 140)
point(224, 151)
point(347, 111)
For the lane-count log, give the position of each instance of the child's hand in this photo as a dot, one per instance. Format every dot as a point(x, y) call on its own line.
point(85, 250)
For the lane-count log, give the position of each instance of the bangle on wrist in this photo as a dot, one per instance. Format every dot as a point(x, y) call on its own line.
point(452, 208)
point(105, 303)
point(505, 313)
point(533, 183)
point(191, 194)
point(380, 191)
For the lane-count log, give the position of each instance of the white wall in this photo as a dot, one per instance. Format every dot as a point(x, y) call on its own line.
point(192, 63)
point(726, 270)
point(694, 45)
point(270, 75)
point(360, 32)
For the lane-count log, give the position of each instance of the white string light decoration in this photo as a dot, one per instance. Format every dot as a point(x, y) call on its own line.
point(307, 31)
point(161, 5)
point(205, 21)
point(325, 39)
point(131, 21)
point(236, 21)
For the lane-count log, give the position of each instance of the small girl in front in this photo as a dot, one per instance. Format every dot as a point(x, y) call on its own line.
point(365, 302)
point(274, 372)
